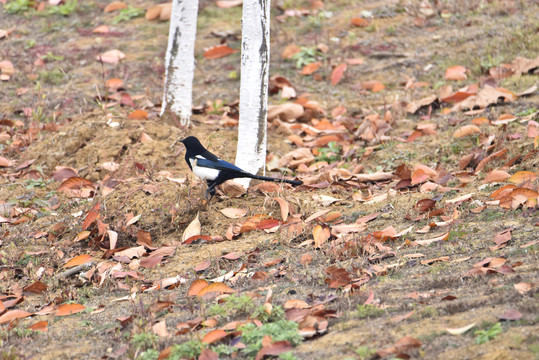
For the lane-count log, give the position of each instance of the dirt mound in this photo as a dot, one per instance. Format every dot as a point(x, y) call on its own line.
point(91, 140)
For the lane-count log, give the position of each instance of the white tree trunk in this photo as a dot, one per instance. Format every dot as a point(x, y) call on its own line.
point(180, 60)
point(255, 56)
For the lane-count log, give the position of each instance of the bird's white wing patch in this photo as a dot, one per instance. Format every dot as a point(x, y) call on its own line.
point(203, 173)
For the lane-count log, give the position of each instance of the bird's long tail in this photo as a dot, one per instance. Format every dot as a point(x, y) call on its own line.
point(267, 178)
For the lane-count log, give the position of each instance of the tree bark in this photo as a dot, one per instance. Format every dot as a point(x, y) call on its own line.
point(180, 60)
point(255, 56)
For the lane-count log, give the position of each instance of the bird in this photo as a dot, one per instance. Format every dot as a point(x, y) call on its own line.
point(216, 171)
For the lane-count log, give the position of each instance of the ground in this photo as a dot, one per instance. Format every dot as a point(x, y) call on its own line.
point(429, 247)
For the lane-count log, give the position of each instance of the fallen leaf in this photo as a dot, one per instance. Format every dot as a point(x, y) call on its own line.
point(78, 260)
point(11, 315)
point(337, 73)
point(311, 68)
point(510, 315)
point(192, 229)
point(196, 286)
point(466, 130)
point(214, 336)
point(233, 213)
point(218, 51)
point(111, 56)
point(321, 235)
point(456, 73)
point(69, 309)
point(522, 176)
point(522, 288)
point(461, 330)
point(115, 5)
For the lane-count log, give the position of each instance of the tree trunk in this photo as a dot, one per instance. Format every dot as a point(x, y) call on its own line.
point(255, 56)
point(180, 61)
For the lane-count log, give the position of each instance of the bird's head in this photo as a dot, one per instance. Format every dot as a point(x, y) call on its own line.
point(191, 141)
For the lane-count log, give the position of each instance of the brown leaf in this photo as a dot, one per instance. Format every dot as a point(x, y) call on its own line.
point(503, 237)
point(522, 288)
point(306, 259)
point(196, 286)
point(425, 205)
point(219, 51)
point(274, 349)
point(209, 354)
point(522, 176)
point(290, 50)
point(296, 304)
point(192, 229)
point(285, 208)
point(456, 73)
point(90, 219)
point(225, 4)
point(115, 5)
point(217, 287)
point(359, 22)
point(144, 238)
point(510, 315)
point(466, 130)
point(138, 115)
point(11, 315)
point(40, 326)
point(214, 336)
point(202, 266)
point(496, 176)
point(233, 213)
point(337, 73)
point(37, 287)
point(78, 260)
point(111, 56)
point(320, 235)
point(311, 68)
point(69, 309)
point(62, 173)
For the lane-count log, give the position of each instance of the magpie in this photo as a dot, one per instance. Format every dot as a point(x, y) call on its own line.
point(215, 171)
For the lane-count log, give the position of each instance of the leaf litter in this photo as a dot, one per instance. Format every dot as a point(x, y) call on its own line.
point(109, 189)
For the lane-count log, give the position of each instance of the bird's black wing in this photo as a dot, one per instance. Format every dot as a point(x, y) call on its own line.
point(218, 164)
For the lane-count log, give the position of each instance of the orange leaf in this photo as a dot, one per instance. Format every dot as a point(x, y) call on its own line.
point(295, 304)
point(115, 5)
point(455, 73)
point(321, 235)
point(40, 326)
point(75, 183)
point(480, 121)
point(359, 22)
point(111, 56)
point(219, 51)
point(10, 315)
point(114, 84)
point(522, 176)
point(466, 130)
point(285, 208)
point(196, 287)
point(78, 260)
point(218, 287)
point(338, 73)
point(311, 68)
point(90, 219)
point(306, 259)
point(69, 309)
point(496, 176)
point(103, 29)
point(214, 336)
point(36, 287)
point(138, 115)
